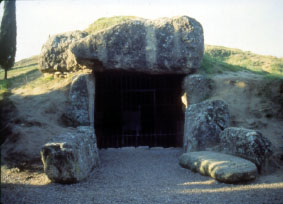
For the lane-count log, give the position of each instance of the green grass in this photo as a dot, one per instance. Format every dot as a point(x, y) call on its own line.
point(22, 73)
point(218, 59)
point(27, 62)
point(103, 23)
point(211, 65)
point(4, 85)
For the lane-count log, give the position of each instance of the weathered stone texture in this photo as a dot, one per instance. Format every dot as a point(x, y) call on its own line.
point(197, 87)
point(166, 45)
point(77, 110)
point(222, 167)
point(55, 52)
point(248, 144)
point(203, 123)
point(69, 157)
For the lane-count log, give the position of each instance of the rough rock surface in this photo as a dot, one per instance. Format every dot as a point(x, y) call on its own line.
point(222, 167)
point(69, 158)
point(166, 45)
point(55, 52)
point(197, 87)
point(77, 111)
point(249, 144)
point(203, 123)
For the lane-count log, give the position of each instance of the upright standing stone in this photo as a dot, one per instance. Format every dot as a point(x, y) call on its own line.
point(77, 110)
point(197, 87)
point(203, 123)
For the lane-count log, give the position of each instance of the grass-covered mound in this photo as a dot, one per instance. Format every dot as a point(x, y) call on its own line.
point(218, 59)
point(103, 23)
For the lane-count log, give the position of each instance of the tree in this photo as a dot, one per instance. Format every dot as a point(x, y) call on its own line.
point(8, 35)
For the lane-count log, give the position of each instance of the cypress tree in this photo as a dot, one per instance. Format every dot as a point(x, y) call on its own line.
point(8, 34)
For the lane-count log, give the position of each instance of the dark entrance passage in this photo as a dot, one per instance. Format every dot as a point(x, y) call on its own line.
point(138, 110)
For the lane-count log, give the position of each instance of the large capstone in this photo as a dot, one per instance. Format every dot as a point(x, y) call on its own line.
point(166, 45)
point(55, 52)
point(222, 167)
point(249, 144)
point(69, 157)
point(203, 123)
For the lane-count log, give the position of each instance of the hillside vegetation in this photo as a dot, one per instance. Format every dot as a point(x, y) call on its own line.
point(217, 59)
point(23, 71)
point(103, 23)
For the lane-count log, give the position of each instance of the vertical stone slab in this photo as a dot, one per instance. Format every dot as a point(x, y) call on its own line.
point(203, 123)
point(197, 88)
point(80, 108)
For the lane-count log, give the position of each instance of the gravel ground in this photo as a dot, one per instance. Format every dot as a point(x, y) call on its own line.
point(139, 175)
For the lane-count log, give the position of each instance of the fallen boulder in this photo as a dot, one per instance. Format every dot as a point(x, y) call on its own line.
point(166, 45)
point(245, 143)
point(203, 123)
point(222, 167)
point(69, 157)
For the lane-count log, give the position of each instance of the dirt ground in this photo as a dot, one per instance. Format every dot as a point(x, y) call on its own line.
point(253, 104)
point(137, 175)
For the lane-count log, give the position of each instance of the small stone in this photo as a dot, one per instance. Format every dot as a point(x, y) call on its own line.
point(126, 148)
point(143, 147)
point(57, 74)
point(157, 148)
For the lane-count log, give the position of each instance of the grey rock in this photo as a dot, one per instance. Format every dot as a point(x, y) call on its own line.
point(166, 45)
point(203, 123)
point(77, 113)
point(70, 157)
point(248, 144)
point(222, 167)
point(197, 87)
point(54, 53)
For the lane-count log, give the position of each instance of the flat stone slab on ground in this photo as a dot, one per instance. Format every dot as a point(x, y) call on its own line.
point(223, 167)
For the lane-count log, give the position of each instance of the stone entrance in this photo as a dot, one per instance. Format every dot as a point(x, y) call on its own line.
point(138, 66)
point(135, 109)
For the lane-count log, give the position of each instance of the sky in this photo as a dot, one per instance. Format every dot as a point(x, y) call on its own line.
point(250, 25)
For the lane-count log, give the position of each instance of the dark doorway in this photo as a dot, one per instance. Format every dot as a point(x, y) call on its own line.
point(134, 109)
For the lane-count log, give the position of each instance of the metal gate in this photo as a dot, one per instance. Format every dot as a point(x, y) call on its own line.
point(138, 110)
